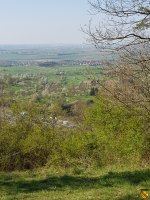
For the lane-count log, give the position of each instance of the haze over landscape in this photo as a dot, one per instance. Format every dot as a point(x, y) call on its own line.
point(74, 99)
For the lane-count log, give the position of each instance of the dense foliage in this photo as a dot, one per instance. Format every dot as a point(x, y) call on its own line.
point(108, 133)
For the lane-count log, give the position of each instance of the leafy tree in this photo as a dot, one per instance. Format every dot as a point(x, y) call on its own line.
point(126, 30)
point(93, 91)
point(115, 134)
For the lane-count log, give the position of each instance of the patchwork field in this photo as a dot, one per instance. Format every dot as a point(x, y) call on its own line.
point(69, 81)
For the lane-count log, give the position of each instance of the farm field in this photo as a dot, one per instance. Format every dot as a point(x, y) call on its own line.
point(49, 52)
point(65, 72)
point(69, 81)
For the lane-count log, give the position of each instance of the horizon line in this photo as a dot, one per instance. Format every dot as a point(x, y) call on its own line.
point(19, 44)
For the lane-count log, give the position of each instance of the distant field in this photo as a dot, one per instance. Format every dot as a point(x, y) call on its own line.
point(25, 80)
point(73, 74)
point(49, 52)
point(66, 68)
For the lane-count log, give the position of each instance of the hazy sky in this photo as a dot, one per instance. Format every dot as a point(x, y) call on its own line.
point(42, 21)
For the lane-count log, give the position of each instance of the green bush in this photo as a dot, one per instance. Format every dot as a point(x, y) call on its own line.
point(119, 133)
point(109, 134)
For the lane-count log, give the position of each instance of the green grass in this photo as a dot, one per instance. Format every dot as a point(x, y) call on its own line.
point(82, 184)
point(72, 76)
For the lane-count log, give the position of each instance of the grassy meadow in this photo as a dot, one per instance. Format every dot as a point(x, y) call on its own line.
point(23, 82)
point(118, 183)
